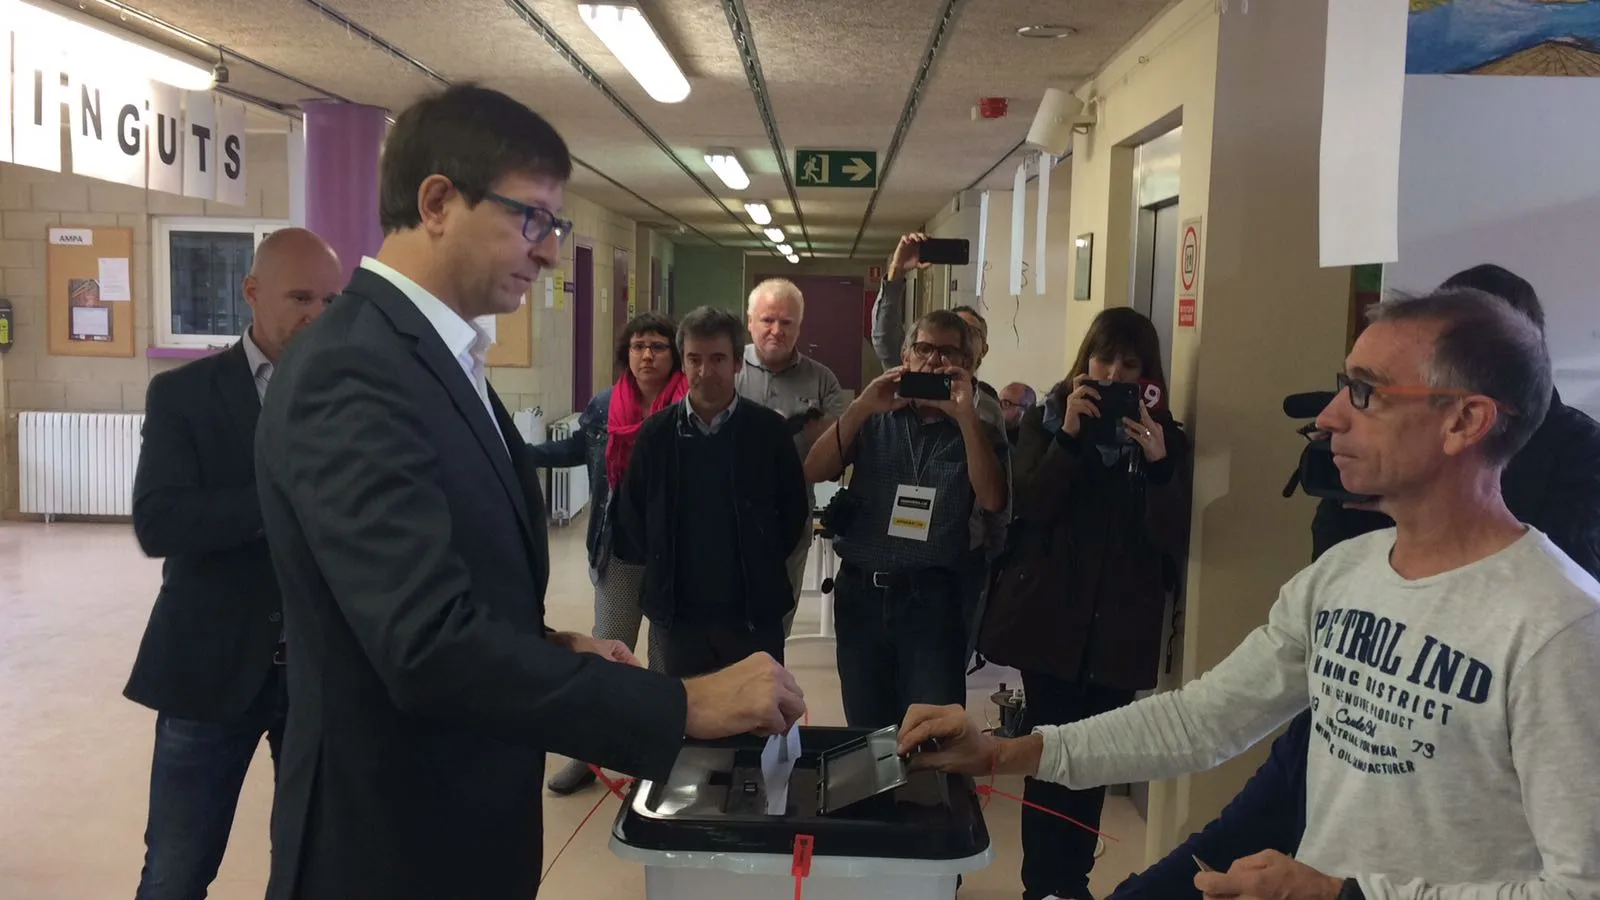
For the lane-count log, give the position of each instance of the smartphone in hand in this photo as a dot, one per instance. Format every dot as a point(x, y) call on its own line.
point(924, 386)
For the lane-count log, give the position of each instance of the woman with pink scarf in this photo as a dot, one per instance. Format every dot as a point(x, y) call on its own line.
point(652, 380)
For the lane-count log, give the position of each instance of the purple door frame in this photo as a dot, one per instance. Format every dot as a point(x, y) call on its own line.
point(583, 327)
point(621, 264)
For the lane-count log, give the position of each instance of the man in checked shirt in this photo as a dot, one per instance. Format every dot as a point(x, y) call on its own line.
point(921, 467)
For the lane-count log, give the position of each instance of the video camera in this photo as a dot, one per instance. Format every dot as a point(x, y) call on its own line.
point(1316, 475)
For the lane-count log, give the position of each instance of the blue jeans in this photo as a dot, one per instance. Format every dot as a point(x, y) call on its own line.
point(195, 778)
point(900, 642)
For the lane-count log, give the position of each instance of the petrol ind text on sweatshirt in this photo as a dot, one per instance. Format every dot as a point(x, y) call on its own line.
point(1455, 750)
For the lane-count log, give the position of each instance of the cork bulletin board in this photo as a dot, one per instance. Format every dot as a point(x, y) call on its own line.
point(89, 291)
point(513, 338)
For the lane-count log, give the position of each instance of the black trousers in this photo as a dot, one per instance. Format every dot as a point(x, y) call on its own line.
point(1057, 855)
point(899, 641)
point(696, 648)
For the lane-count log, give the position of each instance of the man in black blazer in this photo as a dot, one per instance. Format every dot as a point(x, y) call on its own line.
point(211, 662)
point(407, 530)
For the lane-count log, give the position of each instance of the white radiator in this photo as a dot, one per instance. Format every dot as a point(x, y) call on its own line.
point(77, 464)
point(569, 488)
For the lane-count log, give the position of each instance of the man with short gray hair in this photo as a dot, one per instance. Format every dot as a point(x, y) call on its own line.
point(1449, 663)
point(778, 376)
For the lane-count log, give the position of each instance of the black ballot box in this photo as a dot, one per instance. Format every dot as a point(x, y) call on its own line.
point(874, 831)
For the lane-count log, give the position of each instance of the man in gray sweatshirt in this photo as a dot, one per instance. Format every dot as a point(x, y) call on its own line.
point(1450, 663)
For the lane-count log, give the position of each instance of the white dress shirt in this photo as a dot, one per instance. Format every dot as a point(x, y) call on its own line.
point(466, 340)
point(260, 367)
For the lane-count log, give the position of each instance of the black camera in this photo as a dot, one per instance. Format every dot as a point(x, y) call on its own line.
point(840, 512)
point(1316, 475)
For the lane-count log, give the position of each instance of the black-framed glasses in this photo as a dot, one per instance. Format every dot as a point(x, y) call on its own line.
point(1014, 404)
point(1361, 392)
point(659, 348)
point(926, 350)
point(538, 223)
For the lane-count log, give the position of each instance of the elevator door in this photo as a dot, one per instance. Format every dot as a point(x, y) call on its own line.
point(1155, 286)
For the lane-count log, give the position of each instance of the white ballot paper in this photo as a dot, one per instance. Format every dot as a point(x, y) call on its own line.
point(777, 764)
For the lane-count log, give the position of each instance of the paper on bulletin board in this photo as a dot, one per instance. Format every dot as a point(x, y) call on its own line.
point(91, 323)
point(550, 292)
point(560, 289)
point(1363, 86)
point(115, 284)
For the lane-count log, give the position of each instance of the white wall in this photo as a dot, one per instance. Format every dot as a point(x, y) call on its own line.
point(1028, 333)
point(1504, 170)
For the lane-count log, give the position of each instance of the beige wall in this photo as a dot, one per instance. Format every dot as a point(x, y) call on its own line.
point(1163, 79)
point(1027, 340)
point(548, 383)
point(33, 200)
point(1247, 90)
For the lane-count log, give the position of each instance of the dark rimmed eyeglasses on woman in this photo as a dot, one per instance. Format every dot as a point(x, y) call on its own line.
point(538, 223)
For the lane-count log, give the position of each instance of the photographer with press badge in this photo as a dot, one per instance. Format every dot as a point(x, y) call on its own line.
point(922, 460)
point(1099, 527)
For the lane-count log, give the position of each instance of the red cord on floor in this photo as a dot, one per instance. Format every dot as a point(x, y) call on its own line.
point(987, 790)
point(619, 787)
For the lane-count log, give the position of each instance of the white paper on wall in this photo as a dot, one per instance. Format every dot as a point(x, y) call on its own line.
point(1019, 209)
point(164, 139)
point(1040, 262)
point(106, 122)
point(1362, 100)
point(36, 107)
point(230, 153)
point(5, 95)
point(200, 145)
point(983, 247)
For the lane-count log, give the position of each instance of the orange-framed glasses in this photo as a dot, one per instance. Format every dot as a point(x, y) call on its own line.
point(1361, 392)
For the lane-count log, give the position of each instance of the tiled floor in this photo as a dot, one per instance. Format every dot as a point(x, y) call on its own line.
point(75, 756)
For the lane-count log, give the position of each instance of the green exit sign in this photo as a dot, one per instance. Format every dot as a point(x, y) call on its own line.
point(836, 168)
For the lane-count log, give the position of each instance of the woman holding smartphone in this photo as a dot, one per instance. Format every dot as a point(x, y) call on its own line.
point(1077, 602)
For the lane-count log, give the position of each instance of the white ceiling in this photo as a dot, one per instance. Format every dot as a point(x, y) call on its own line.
point(838, 74)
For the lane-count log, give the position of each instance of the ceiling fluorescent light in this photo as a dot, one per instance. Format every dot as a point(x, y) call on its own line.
point(727, 167)
point(759, 213)
point(94, 46)
point(775, 235)
point(786, 250)
point(628, 35)
point(792, 258)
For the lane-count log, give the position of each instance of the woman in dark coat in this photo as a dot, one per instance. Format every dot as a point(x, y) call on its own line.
point(1100, 520)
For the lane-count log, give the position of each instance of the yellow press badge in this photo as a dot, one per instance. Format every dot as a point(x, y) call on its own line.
point(912, 515)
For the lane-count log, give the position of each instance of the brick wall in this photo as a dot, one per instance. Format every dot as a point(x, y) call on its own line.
point(32, 201)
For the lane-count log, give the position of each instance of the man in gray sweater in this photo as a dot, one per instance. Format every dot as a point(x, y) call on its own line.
point(1450, 663)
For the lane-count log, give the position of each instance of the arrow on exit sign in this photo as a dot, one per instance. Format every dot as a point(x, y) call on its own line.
point(836, 168)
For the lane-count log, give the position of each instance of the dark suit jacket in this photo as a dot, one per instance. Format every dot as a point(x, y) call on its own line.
point(422, 689)
point(208, 648)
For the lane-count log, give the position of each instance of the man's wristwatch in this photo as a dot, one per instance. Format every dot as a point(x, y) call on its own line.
point(1351, 890)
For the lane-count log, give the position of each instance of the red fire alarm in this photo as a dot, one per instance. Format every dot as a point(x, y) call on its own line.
point(992, 107)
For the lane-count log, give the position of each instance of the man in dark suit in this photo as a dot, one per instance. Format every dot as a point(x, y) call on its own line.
point(210, 664)
point(407, 530)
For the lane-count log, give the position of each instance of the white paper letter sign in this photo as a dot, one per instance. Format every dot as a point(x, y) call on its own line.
point(200, 145)
point(230, 153)
point(164, 139)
